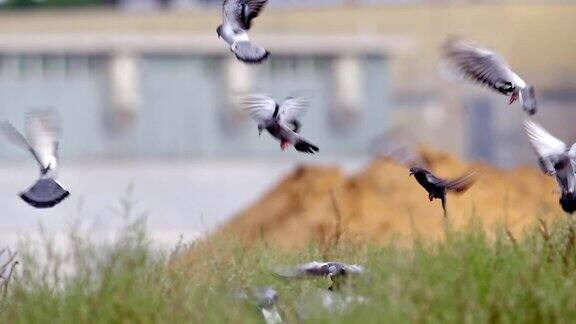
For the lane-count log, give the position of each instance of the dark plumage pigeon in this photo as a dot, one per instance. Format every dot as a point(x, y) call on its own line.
point(337, 272)
point(42, 136)
point(237, 20)
point(486, 67)
point(556, 160)
point(437, 187)
point(280, 120)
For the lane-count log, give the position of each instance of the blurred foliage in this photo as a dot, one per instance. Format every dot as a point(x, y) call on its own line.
point(466, 277)
point(50, 3)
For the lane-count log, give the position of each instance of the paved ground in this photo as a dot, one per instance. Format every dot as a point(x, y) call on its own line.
point(179, 198)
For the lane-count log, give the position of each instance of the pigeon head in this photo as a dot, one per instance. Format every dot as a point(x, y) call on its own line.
point(416, 170)
point(562, 162)
point(528, 99)
point(335, 270)
point(219, 31)
point(266, 297)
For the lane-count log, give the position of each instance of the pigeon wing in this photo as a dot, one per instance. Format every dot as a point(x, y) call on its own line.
point(406, 156)
point(250, 10)
point(544, 144)
point(432, 179)
point(259, 107)
point(232, 13)
point(15, 137)
point(43, 133)
point(482, 65)
point(291, 110)
point(461, 184)
point(353, 268)
point(312, 268)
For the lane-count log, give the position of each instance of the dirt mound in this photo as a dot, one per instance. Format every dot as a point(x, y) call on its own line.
point(315, 203)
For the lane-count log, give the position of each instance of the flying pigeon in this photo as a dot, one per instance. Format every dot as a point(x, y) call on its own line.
point(42, 137)
point(237, 20)
point(337, 272)
point(437, 187)
point(280, 120)
point(484, 66)
point(557, 160)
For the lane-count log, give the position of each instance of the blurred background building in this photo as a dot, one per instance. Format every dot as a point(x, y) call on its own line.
point(139, 81)
point(148, 80)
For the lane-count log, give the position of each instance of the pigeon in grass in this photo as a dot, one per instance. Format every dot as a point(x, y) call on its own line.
point(437, 187)
point(266, 299)
point(42, 136)
point(237, 20)
point(338, 272)
point(557, 160)
point(280, 120)
point(484, 66)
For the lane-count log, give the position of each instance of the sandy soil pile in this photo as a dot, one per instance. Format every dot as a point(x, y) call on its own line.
point(382, 200)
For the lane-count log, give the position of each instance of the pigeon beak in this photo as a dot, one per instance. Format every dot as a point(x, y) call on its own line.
point(411, 174)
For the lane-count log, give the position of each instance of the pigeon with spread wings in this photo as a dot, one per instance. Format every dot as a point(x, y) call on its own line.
point(555, 159)
point(237, 20)
point(337, 272)
point(280, 120)
point(484, 66)
point(42, 137)
point(437, 187)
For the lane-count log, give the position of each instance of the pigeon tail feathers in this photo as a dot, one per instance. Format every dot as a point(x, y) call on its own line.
point(248, 53)
point(45, 193)
point(303, 146)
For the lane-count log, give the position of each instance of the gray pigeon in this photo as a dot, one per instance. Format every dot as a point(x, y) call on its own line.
point(237, 20)
point(280, 120)
point(42, 137)
point(486, 67)
point(337, 272)
point(557, 160)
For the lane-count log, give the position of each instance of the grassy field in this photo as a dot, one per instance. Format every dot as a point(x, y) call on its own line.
point(465, 277)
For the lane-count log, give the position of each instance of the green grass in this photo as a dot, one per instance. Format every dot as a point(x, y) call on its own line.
point(464, 278)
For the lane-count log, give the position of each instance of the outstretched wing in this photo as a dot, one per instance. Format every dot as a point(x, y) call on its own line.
point(15, 137)
point(406, 156)
point(291, 110)
point(250, 10)
point(482, 65)
point(544, 144)
point(461, 184)
point(353, 268)
point(43, 133)
point(313, 268)
point(259, 107)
